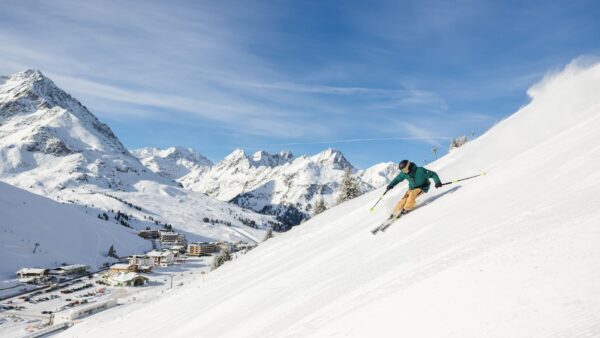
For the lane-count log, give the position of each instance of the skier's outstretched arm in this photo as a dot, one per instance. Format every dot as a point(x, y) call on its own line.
point(395, 181)
point(435, 177)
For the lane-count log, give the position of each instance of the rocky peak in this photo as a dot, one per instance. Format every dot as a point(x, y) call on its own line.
point(32, 95)
point(235, 156)
point(182, 153)
point(173, 162)
point(32, 85)
point(38, 117)
point(333, 157)
point(263, 158)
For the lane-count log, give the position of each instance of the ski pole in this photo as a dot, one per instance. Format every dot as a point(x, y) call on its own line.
point(373, 207)
point(462, 179)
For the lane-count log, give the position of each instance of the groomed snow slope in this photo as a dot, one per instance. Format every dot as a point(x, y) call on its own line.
point(512, 254)
point(65, 233)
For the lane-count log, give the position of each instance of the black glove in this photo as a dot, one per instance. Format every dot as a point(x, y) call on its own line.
point(438, 185)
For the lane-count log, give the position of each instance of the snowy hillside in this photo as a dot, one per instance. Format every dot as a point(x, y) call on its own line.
point(200, 217)
point(65, 234)
point(273, 184)
point(52, 145)
point(511, 254)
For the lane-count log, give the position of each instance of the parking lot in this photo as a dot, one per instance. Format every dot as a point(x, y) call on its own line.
point(28, 313)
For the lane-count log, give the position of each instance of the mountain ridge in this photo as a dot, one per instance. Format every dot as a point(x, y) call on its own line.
point(280, 184)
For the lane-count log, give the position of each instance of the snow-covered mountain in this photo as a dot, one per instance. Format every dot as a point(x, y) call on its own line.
point(513, 253)
point(52, 145)
point(174, 162)
point(378, 175)
point(49, 140)
point(281, 185)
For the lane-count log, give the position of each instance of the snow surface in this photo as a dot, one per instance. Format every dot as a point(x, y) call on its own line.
point(511, 254)
point(65, 233)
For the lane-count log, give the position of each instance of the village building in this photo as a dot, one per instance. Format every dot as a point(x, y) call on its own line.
point(144, 268)
point(149, 234)
point(122, 268)
point(33, 275)
point(162, 258)
point(226, 246)
point(143, 263)
point(88, 309)
point(201, 249)
point(243, 246)
point(176, 253)
point(69, 270)
point(169, 238)
point(180, 248)
point(127, 279)
point(141, 260)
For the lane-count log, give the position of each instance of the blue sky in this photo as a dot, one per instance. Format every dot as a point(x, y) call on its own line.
point(378, 80)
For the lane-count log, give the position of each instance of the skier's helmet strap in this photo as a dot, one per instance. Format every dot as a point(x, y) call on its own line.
point(403, 164)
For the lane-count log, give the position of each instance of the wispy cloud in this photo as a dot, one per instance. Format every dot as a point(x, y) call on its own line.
point(323, 89)
point(197, 61)
point(293, 73)
point(427, 137)
point(425, 133)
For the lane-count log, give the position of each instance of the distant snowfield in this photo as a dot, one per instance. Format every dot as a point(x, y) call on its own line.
point(65, 234)
point(184, 209)
point(512, 254)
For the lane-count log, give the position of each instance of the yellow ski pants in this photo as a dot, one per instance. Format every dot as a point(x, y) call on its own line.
point(408, 201)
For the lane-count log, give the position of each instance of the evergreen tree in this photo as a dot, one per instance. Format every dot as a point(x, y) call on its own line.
point(112, 252)
point(269, 234)
point(458, 142)
point(223, 257)
point(350, 188)
point(319, 206)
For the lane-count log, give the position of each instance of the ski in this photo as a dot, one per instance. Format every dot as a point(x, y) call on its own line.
point(384, 225)
point(376, 229)
point(390, 223)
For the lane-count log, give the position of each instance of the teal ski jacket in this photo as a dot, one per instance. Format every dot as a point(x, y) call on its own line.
point(418, 177)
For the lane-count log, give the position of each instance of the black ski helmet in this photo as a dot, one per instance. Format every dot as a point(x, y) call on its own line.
point(403, 164)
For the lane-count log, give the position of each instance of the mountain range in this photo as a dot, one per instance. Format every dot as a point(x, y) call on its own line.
point(274, 184)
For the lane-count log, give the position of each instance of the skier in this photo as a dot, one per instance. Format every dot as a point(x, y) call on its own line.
point(418, 183)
